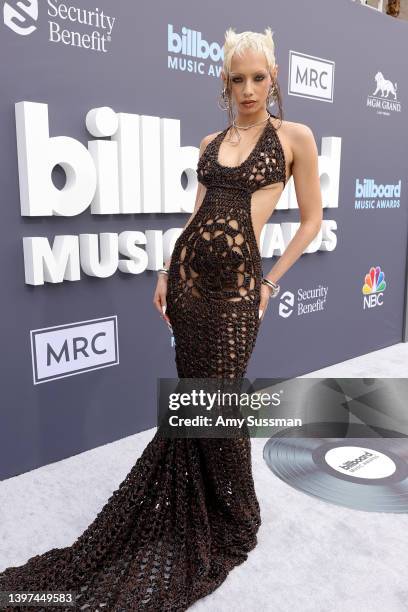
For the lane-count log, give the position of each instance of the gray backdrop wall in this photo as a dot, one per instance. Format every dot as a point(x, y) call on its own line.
point(82, 345)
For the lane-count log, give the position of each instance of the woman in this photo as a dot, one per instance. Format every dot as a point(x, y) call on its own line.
point(187, 512)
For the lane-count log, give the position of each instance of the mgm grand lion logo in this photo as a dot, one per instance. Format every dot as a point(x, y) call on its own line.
point(384, 86)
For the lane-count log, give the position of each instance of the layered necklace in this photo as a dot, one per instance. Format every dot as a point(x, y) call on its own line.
point(246, 127)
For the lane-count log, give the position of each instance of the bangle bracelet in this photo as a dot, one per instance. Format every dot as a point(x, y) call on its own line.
point(275, 288)
point(162, 271)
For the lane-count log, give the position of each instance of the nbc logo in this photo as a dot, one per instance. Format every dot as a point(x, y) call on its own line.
point(19, 18)
point(373, 288)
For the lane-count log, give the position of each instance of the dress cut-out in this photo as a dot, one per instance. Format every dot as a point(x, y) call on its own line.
point(187, 511)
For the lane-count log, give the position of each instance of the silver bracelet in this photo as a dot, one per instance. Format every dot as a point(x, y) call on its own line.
point(163, 271)
point(275, 287)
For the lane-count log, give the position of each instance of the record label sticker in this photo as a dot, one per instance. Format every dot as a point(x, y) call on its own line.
point(360, 462)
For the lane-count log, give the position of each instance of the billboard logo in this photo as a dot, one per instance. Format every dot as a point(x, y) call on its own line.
point(190, 42)
point(19, 18)
point(369, 194)
point(384, 97)
point(114, 177)
point(74, 348)
point(373, 288)
point(310, 77)
point(190, 51)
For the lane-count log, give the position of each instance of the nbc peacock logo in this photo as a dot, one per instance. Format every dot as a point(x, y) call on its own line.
point(373, 288)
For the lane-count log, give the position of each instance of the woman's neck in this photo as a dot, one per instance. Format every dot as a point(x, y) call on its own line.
point(245, 120)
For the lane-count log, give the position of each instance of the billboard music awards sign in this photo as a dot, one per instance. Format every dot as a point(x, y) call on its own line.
point(101, 116)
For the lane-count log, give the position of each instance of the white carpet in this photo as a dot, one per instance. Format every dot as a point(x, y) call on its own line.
point(312, 556)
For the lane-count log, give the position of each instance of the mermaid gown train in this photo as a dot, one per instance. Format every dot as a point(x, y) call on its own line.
point(187, 511)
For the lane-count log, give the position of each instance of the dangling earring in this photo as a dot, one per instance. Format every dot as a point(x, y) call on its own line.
point(223, 100)
point(271, 95)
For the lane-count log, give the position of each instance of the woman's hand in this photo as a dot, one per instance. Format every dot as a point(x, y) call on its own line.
point(265, 296)
point(159, 299)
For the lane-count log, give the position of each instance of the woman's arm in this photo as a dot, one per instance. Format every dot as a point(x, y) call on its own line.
point(307, 184)
point(160, 294)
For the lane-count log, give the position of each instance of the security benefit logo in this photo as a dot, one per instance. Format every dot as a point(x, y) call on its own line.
point(305, 302)
point(21, 17)
point(74, 348)
point(67, 24)
point(373, 288)
point(384, 98)
point(310, 77)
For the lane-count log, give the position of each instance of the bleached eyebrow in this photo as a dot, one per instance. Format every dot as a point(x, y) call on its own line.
point(241, 73)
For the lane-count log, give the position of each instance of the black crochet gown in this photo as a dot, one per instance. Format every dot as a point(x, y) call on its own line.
point(187, 512)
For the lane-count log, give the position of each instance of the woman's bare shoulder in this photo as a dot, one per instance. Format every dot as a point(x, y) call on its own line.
point(207, 139)
point(296, 138)
point(296, 131)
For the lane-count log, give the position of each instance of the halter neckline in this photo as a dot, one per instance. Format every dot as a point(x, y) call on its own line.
point(252, 152)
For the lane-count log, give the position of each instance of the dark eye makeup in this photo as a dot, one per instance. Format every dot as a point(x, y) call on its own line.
point(259, 77)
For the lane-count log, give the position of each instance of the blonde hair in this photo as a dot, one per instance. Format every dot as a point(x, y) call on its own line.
point(237, 43)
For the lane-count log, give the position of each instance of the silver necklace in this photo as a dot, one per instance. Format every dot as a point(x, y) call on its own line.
point(246, 127)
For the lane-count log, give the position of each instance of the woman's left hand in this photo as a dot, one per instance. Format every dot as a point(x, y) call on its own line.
point(265, 297)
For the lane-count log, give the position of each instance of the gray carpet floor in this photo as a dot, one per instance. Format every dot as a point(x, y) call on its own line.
point(312, 556)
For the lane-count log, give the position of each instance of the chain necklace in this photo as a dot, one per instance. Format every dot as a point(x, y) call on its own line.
point(246, 127)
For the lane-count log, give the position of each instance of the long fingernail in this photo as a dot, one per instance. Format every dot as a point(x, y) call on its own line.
point(164, 309)
point(260, 313)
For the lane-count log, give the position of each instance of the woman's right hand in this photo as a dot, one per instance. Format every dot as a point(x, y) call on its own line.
point(159, 299)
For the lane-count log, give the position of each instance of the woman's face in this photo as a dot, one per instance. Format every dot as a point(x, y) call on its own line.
point(249, 80)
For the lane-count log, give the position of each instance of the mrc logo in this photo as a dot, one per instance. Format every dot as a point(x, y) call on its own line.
point(74, 348)
point(19, 16)
point(310, 77)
